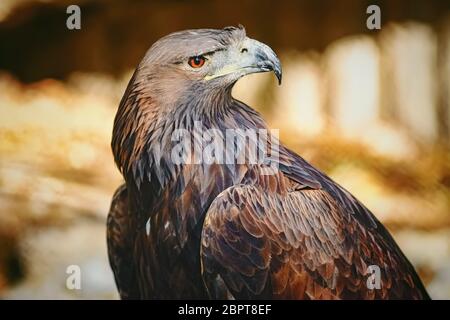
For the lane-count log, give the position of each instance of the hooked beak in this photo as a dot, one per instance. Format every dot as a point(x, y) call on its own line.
point(261, 58)
point(251, 57)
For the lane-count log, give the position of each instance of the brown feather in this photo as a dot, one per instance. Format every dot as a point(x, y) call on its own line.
point(201, 230)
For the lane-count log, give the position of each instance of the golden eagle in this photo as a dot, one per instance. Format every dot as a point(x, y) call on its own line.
point(231, 229)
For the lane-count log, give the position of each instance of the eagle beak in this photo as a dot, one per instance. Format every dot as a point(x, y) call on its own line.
point(250, 57)
point(261, 57)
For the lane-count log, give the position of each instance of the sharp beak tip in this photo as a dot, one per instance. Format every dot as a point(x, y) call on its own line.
point(278, 74)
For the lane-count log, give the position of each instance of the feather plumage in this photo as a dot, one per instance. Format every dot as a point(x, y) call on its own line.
point(198, 230)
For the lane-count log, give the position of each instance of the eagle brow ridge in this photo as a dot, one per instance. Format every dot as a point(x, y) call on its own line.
point(209, 53)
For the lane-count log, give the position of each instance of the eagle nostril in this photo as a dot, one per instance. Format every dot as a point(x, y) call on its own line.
point(244, 50)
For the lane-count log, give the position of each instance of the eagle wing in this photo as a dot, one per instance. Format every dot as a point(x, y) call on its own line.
point(274, 238)
point(120, 245)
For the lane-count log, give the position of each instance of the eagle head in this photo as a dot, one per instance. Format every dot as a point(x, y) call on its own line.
point(184, 75)
point(208, 58)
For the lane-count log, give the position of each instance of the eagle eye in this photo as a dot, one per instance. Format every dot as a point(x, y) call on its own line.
point(197, 61)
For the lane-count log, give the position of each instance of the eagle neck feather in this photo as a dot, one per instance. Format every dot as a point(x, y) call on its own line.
point(143, 128)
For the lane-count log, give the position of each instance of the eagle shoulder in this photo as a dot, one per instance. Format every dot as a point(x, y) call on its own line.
point(120, 244)
point(275, 240)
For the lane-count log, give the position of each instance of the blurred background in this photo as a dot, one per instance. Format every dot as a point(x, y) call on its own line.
point(369, 107)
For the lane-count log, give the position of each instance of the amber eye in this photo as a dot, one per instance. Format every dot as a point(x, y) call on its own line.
point(197, 61)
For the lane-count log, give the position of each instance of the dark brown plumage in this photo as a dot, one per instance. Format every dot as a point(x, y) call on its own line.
point(199, 230)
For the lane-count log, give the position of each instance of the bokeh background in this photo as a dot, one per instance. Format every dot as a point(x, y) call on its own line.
point(370, 108)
